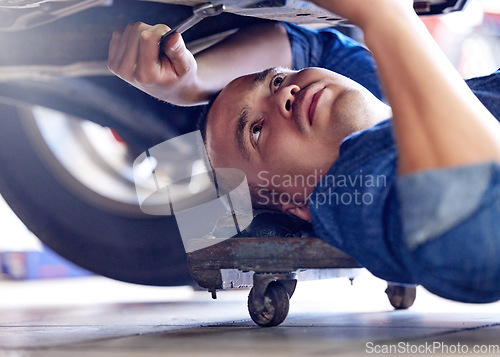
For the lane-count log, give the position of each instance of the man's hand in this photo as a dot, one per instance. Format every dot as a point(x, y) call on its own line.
point(134, 56)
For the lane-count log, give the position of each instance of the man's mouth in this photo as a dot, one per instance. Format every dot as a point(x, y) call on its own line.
point(306, 103)
point(309, 102)
point(313, 105)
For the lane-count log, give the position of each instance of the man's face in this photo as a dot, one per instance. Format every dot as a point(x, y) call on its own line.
point(282, 127)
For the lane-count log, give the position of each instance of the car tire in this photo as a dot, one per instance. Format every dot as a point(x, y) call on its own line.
point(131, 247)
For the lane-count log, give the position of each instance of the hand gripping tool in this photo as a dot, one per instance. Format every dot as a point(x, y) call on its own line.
point(200, 12)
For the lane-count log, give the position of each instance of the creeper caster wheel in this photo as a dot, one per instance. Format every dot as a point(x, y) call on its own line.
point(401, 296)
point(272, 309)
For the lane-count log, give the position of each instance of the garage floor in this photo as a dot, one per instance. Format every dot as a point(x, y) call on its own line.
point(99, 317)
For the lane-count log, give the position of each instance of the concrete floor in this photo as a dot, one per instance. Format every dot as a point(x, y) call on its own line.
point(99, 317)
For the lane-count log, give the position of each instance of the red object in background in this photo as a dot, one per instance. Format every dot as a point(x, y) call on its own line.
point(470, 39)
point(116, 136)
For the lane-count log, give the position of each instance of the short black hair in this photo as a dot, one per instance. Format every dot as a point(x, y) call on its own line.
point(203, 118)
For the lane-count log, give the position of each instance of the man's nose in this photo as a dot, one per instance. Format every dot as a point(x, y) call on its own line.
point(284, 99)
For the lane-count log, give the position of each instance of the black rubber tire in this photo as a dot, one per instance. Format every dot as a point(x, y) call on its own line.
point(277, 303)
point(134, 248)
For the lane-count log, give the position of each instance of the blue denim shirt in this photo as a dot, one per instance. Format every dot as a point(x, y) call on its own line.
point(369, 228)
point(330, 49)
point(356, 206)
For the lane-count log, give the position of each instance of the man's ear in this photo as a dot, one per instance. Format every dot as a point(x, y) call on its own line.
point(300, 211)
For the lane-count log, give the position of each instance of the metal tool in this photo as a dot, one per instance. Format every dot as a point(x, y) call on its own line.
point(199, 13)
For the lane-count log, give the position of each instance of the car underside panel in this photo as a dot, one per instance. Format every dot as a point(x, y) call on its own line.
point(23, 14)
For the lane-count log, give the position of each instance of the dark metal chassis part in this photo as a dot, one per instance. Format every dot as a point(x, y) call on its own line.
point(80, 48)
point(273, 266)
point(22, 14)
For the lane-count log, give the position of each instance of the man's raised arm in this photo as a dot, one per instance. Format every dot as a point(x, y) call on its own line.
point(182, 79)
point(438, 121)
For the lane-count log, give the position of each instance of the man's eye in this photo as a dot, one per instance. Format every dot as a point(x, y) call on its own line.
point(255, 133)
point(277, 81)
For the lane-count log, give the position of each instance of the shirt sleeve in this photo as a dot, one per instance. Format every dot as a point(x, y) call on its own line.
point(487, 90)
point(330, 49)
point(436, 201)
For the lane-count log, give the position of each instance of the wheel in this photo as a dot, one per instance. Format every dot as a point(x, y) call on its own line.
point(102, 231)
point(276, 305)
point(401, 296)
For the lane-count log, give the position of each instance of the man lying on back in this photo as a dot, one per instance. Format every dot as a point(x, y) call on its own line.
point(433, 220)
